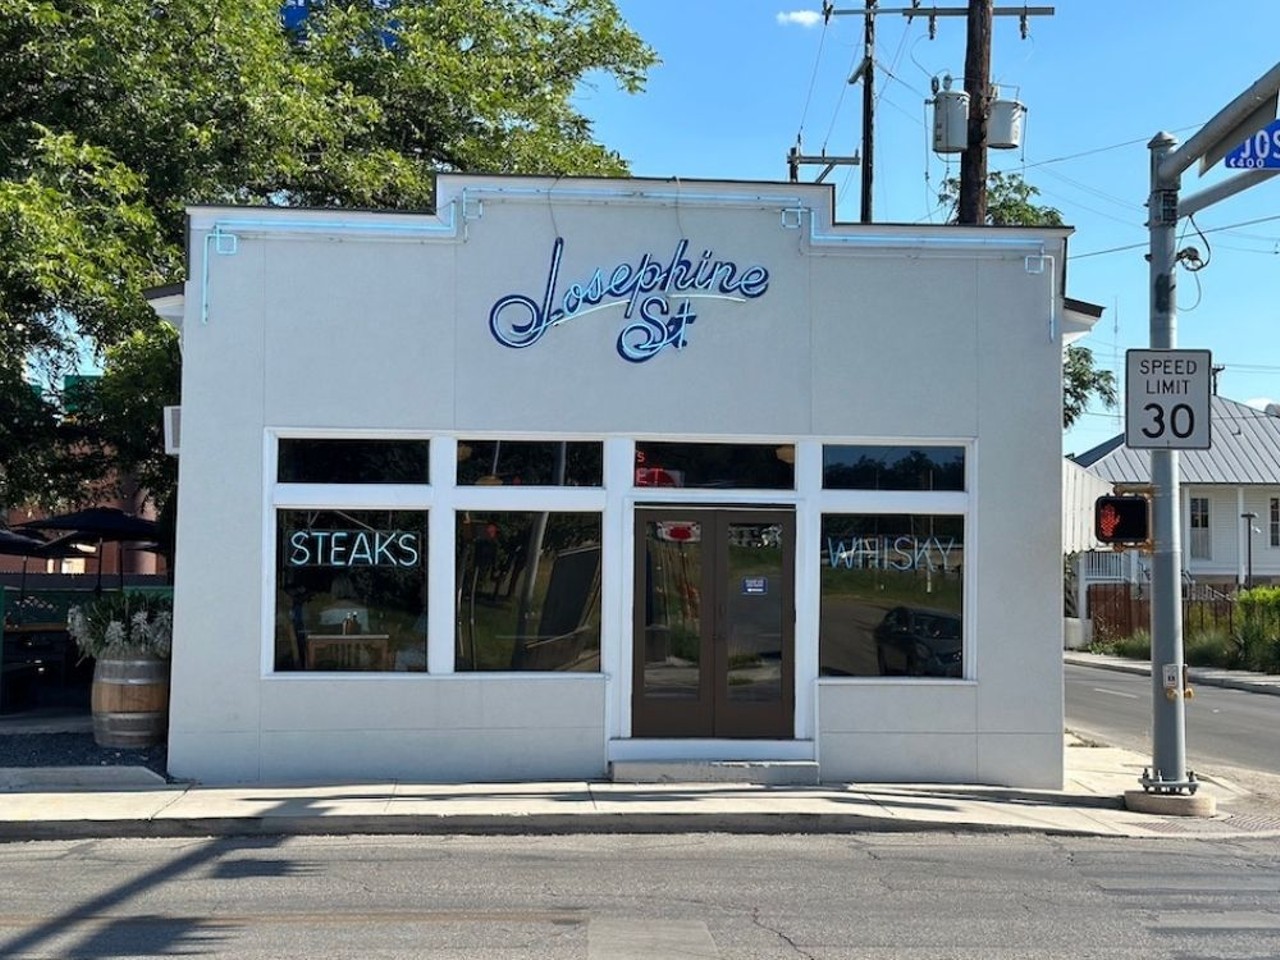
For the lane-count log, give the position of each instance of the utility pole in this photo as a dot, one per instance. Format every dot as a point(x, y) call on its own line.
point(973, 182)
point(868, 108)
point(972, 207)
point(795, 159)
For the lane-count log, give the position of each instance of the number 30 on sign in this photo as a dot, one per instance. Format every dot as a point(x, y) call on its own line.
point(1167, 399)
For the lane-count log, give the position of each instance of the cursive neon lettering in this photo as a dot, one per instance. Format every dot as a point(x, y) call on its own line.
point(641, 289)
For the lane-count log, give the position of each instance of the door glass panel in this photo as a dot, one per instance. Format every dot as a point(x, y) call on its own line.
point(754, 612)
point(673, 609)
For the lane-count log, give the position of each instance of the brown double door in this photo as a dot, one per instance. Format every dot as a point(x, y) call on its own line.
point(714, 637)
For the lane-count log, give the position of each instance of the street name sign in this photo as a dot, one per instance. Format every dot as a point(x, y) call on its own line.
point(1260, 152)
point(1167, 399)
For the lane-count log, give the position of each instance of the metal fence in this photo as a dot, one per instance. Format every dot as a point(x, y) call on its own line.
point(1121, 609)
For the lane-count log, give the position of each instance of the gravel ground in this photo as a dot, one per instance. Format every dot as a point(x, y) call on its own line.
point(76, 750)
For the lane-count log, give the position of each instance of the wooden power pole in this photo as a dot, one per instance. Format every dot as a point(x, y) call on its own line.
point(977, 83)
point(868, 111)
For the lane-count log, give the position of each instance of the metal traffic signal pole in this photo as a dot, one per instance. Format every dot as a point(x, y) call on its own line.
point(1244, 116)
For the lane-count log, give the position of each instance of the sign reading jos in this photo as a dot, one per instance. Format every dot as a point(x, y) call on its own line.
point(1167, 399)
point(1259, 152)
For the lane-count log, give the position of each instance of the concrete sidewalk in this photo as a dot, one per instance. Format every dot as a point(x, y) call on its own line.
point(130, 802)
point(78, 802)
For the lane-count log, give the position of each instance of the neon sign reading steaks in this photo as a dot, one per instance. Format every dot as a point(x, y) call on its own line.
point(656, 295)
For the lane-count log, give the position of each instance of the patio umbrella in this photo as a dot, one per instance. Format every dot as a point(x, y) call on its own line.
point(100, 523)
point(103, 524)
point(16, 545)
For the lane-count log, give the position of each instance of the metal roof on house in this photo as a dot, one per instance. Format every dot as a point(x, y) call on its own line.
point(1245, 450)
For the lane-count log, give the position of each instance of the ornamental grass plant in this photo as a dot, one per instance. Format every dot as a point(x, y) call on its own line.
point(123, 626)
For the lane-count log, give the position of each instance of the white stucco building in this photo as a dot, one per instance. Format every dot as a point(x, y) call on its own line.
point(575, 472)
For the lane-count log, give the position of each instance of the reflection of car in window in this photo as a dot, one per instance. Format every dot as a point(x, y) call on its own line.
point(919, 643)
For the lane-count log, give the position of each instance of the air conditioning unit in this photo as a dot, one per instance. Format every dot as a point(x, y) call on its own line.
point(172, 429)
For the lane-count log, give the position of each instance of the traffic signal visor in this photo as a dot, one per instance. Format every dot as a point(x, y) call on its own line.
point(1122, 519)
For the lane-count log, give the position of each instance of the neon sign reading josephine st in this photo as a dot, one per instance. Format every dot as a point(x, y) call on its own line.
point(643, 289)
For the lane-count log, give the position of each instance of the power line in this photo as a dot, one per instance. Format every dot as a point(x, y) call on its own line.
point(817, 62)
point(1135, 246)
point(1114, 146)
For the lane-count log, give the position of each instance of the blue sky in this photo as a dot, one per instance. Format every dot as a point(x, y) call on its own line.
point(739, 80)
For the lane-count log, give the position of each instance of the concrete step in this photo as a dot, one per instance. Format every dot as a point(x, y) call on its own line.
point(766, 772)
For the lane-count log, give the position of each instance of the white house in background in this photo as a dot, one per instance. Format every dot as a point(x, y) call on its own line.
point(1230, 494)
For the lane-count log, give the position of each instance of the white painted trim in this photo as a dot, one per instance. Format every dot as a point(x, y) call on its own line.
point(363, 496)
point(616, 624)
point(808, 593)
point(441, 559)
point(266, 639)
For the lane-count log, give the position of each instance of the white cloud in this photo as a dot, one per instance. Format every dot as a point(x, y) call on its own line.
point(800, 18)
point(1259, 403)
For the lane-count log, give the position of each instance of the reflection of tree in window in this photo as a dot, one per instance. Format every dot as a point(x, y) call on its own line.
point(528, 591)
point(530, 463)
point(893, 468)
point(353, 461)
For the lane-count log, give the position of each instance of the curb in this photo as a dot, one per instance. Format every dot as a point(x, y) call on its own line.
point(1205, 676)
point(512, 825)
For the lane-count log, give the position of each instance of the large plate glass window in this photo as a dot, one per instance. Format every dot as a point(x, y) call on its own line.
point(892, 596)
point(721, 466)
point(530, 463)
point(528, 591)
point(870, 467)
point(353, 461)
point(351, 590)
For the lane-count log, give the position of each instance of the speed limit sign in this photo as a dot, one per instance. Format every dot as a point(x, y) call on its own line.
point(1167, 399)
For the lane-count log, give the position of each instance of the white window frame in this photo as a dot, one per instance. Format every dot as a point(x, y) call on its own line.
point(958, 503)
point(442, 499)
point(1200, 545)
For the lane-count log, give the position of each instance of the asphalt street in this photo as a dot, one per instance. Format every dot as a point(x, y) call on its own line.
point(902, 896)
point(1223, 727)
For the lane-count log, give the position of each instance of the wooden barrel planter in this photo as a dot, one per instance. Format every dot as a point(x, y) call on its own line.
point(130, 701)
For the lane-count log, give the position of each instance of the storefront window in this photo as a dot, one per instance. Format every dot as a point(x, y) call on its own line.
point(353, 461)
point(351, 590)
point(530, 463)
point(729, 466)
point(892, 596)
point(892, 468)
point(528, 591)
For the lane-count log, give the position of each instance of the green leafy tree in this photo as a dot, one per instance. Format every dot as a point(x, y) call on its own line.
point(1011, 202)
point(116, 116)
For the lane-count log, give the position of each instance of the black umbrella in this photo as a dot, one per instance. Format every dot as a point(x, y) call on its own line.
point(100, 524)
point(16, 545)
